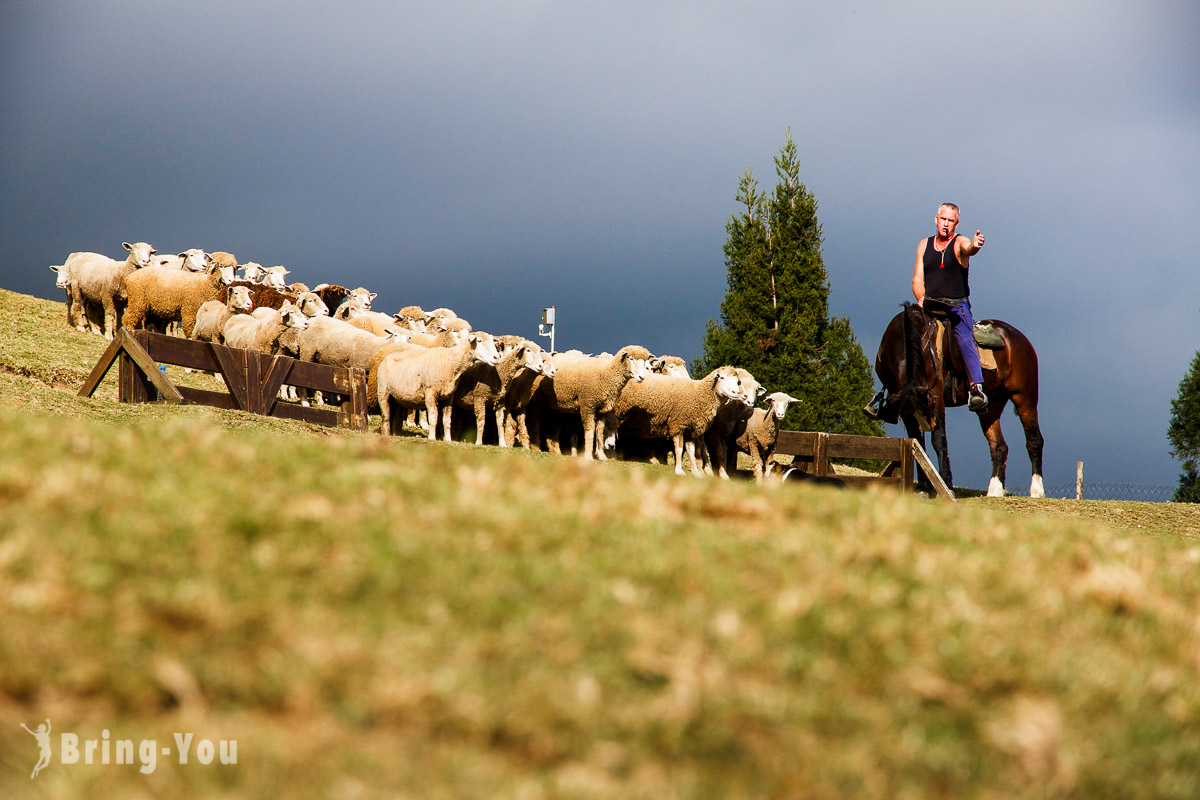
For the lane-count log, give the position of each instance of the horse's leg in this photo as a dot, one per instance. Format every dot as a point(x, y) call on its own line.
point(989, 422)
point(914, 432)
point(942, 448)
point(1033, 442)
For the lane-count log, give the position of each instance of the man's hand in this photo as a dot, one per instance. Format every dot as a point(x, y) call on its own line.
point(977, 242)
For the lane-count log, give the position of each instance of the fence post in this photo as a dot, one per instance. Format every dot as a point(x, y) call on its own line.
point(1079, 480)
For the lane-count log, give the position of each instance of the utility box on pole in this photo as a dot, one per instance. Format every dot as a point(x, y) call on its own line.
point(547, 326)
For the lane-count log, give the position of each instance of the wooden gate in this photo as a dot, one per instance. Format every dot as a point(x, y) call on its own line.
point(252, 379)
point(811, 452)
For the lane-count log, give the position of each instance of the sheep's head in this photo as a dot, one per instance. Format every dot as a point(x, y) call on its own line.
point(140, 253)
point(779, 402)
point(63, 281)
point(671, 366)
point(253, 272)
point(224, 274)
point(275, 278)
point(539, 360)
point(364, 297)
point(483, 346)
point(312, 305)
point(635, 362)
point(240, 299)
point(350, 308)
point(728, 384)
point(195, 260)
point(292, 316)
point(411, 317)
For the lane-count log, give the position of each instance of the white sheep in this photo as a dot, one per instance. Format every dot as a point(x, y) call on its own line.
point(262, 333)
point(590, 387)
point(679, 408)
point(718, 449)
point(97, 279)
point(412, 317)
point(275, 278)
point(485, 385)
point(213, 314)
point(671, 366)
point(171, 295)
point(415, 377)
point(340, 344)
point(193, 260)
point(757, 434)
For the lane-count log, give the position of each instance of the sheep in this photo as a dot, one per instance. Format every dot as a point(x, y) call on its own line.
point(263, 333)
point(411, 317)
point(380, 325)
point(340, 344)
point(445, 334)
point(220, 258)
point(680, 408)
point(416, 378)
point(274, 277)
point(253, 272)
point(169, 294)
point(671, 366)
point(591, 386)
point(756, 435)
point(299, 288)
point(84, 315)
point(719, 449)
point(486, 384)
point(334, 295)
point(194, 260)
point(212, 315)
point(98, 279)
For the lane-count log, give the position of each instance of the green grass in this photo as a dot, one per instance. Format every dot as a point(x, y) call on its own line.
point(399, 618)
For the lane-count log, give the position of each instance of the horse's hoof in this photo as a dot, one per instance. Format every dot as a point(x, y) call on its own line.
point(995, 488)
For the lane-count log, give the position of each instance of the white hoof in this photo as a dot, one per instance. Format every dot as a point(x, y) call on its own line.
point(995, 488)
point(1036, 487)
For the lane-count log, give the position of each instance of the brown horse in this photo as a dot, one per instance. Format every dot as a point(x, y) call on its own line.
point(922, 378)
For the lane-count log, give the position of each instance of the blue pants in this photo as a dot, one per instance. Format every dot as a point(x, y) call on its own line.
point(962, 324)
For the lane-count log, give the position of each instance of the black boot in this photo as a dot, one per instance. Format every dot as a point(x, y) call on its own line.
point(871, 409)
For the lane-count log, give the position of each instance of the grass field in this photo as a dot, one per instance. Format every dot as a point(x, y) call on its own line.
point(399, 618)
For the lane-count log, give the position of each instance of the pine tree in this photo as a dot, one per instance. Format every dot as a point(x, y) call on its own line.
point(1183, 433)
point(775, 314)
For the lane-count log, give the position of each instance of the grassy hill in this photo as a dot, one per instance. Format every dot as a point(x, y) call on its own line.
point(402, 618)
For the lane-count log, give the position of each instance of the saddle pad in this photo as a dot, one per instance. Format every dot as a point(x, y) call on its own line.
point(987, 358)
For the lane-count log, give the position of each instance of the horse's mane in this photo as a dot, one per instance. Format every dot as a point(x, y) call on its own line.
point(912, 344)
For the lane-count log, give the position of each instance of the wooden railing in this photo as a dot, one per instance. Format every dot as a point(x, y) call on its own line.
point(252, 379)
point(812, 452)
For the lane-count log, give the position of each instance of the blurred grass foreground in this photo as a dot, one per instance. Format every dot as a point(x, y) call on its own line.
point(398, 618)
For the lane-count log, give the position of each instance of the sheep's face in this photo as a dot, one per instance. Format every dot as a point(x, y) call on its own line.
point(364, 297)
point(275, 278)
point(484, 348)
point(63, 281)
point(313, 306)
point(671, 366)
point(240, 299)
point(225, 274)
point(349, 309)
point(413, 323)
point(638, 368)
point(142, 253)
point(196, 260)
point(294, 318)
point(540, 362)
point(253, 272)
point(728, 384)
point(780, 402)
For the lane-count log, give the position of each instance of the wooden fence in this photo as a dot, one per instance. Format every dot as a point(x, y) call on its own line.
point(811, 453)
point(252, 379)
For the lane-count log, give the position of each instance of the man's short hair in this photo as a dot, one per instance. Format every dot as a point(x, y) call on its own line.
point(950, 206)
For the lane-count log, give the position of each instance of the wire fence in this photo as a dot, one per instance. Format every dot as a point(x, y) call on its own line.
point(1098, 490)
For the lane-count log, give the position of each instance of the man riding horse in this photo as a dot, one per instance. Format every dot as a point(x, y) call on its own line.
point(940, 275)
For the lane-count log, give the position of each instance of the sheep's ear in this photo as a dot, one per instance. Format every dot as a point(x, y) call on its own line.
point(374, 295)
point(761, 391)
point(127, 246)
point(53, 268)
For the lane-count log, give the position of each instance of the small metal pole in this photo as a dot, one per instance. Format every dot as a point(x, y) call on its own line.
point(1079, 480)
point(547, 326)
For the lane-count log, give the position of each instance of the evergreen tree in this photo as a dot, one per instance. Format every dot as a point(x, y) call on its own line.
point(775, 315)
point(1183, 433)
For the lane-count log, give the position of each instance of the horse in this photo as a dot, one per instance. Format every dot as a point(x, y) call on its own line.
point(921, 378)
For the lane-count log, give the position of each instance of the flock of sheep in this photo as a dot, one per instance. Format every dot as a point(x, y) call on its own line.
point(421, 366)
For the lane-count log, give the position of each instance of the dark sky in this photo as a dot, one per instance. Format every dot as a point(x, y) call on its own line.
point(498, 158)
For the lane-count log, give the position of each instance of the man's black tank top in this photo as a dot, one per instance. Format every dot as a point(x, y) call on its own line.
point(944, 276)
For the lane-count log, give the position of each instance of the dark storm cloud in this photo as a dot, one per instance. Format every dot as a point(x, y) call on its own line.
point(497, 158)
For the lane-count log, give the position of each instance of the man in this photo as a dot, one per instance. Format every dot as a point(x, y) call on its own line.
point(940, 275)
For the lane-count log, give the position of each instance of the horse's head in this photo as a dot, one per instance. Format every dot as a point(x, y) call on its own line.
point(922, 376)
